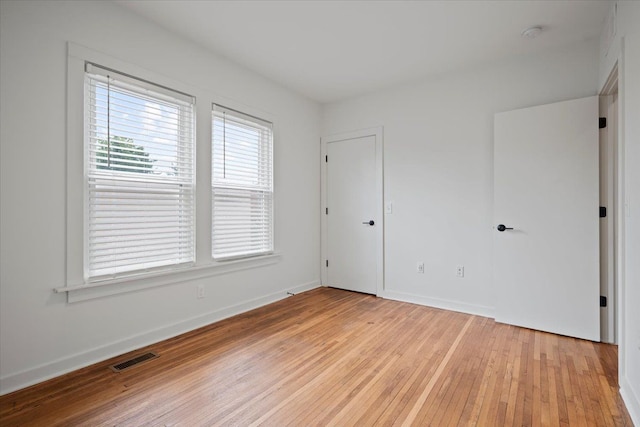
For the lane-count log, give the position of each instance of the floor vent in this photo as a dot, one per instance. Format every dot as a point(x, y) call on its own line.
point(132, 362)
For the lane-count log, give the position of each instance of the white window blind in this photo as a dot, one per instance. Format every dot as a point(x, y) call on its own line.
point(139, 168)
point(242, 184)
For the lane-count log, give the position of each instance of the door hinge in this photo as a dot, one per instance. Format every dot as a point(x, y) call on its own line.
point(602, 123)
point(326, 211)
point(603, 301)
point(327, 263)
point(326, 159)
point(603, 211)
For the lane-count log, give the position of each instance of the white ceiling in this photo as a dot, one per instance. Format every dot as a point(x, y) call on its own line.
point(331, 50)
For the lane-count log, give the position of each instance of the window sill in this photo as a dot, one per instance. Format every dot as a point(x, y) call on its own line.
point(87, 291)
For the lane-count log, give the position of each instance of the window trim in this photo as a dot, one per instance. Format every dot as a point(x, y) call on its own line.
point(259, 121)
point(86, 291)
point(141, 88)
point(75, 286)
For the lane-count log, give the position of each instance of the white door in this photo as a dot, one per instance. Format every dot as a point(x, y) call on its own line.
point(546, 196)
point(352, 214)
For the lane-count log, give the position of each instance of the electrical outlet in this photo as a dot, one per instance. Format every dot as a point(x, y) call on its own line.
point(420, 267)
point(460, 271)
point(200, 291)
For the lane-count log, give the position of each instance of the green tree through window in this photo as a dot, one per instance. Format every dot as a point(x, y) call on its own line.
point(123, 155)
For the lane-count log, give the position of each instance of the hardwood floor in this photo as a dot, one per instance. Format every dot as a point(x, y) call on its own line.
point(335, 358)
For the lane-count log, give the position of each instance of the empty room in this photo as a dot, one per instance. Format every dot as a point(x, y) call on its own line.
point(319, 213)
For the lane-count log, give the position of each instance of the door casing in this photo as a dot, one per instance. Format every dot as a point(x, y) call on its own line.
point(610, 198)
point(377, 133)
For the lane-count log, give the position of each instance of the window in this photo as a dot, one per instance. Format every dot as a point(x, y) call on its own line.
point(139, 176)
point(242, 185)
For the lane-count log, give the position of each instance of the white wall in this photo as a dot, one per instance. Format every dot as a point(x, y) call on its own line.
point(438, 151)
point(630, 380)
point(624, 48)
point(42, 335)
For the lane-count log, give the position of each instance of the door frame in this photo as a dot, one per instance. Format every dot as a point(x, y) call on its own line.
point(377, 133)
point(610, 176)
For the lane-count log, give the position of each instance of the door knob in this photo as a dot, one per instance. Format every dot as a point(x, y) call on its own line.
point(502, 227)
point(369, 222)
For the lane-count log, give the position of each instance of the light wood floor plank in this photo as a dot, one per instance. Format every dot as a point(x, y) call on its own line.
point(334, 358)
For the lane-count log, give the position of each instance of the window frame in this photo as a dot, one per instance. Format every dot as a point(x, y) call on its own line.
point(136, 86)
point(259, 123)
point(74, 286)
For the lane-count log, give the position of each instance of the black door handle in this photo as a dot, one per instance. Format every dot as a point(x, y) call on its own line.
point(501, 227)
point(369, 222)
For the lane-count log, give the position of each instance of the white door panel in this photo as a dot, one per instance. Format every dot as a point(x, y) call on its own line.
point(351, 199)
point(546, 188)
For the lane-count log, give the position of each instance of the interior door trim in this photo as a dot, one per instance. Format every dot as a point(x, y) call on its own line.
point(377, 133)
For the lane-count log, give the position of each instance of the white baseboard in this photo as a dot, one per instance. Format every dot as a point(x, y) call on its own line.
point(62, 366)
point(477, 310)
point(631, 400)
